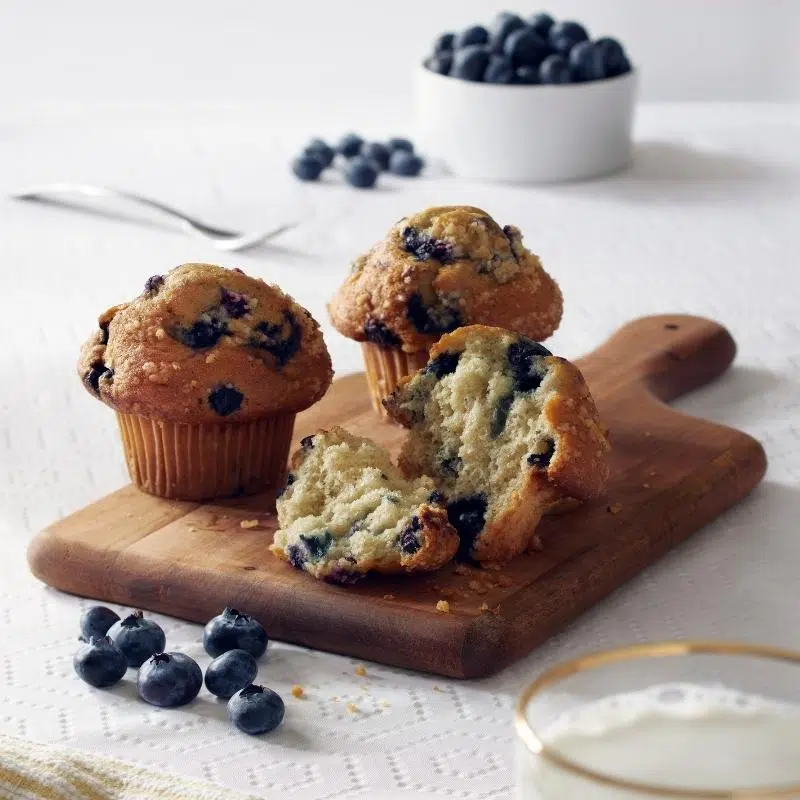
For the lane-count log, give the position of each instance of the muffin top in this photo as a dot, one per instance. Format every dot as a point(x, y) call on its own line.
point(439, 270)
point(207, 344)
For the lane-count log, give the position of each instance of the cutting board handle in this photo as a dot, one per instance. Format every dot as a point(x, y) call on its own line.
point(666, 355)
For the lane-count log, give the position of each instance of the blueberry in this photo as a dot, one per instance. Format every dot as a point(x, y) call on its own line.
point(409, 540)
point(323, 151)
point(542, 460)
point(399, 143)
point(525, 46)
point(469, 63)
point(444, 43)
point(526, 75)
point(96, 621)
point(475, 34)
point(505, 24)
point(500, 70)
point(406, 164)
point(443, 364)
point(376, 152)
point(436, 498)
point(349, 145)
point(377, 333)
point(225, 400)
point(290, 479)
point(585, 62)
point(255, 710)
point(467, 516)
point(542, 23)
point(612, 57)
point(138, 638)
point(425, 319)
point(205, 333)
point(500, 415)
point(361, 173)
point(231, 671)
point(235, 304)
point(97, 371)
point(169, 680)
point(555, 69)
point(295, 556)
point(524, 357)
point(317, 546)
point(424, 247)
point(307, 167)
point(154, 283)
point(282, 340)
point(440, 63)
point(307, 442)
point(563, 36)
point(99, 662)
point(232, 630)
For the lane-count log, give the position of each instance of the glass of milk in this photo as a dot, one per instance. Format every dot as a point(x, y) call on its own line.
point(675, 719)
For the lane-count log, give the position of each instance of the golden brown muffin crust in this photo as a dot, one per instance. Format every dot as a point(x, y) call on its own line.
point(207, 344)
point(445, 267)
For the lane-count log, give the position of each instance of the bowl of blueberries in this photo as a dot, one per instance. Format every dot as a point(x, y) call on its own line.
point(527, 99)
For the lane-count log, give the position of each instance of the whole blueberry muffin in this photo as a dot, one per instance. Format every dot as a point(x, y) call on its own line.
point(206, 370)
point(506, 429)
point(347, 510)
point(434, 272)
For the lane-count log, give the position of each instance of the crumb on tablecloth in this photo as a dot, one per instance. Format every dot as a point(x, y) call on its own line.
point(352, 708)
point(645, 486)
point(437, 688)
point(484, 608)
point(360, 670)
point(614, 508)
point(249, 523)
point(443, 606)
point(297, 691)
point(388, 597)
point(477, 587)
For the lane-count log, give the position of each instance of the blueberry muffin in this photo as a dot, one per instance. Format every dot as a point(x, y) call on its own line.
point(206, 370)
point(434, 272)
point(347, 510)
point(507, 430)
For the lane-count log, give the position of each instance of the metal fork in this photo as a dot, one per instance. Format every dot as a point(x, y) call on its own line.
point(220, 238)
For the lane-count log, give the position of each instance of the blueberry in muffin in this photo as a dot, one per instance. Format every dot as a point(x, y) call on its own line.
point(347, 510)
point(506, 429)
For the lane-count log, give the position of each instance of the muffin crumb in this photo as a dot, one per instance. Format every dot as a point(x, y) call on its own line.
point(388, 597)
point(249, 523)
point(352, 708)
point(443, 606)
point(360, 671)
point(477, 587)
point(297, 691)
point(615, 508)
point(484, 608)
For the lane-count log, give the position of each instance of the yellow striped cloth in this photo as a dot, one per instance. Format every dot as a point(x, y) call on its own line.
point(30, 771)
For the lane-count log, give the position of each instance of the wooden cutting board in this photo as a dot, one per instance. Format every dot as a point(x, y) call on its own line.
point(671, 474)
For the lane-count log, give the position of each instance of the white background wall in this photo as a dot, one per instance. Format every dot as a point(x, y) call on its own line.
point(354, 52)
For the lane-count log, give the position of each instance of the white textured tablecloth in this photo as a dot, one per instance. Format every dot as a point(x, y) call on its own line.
point(707, 222)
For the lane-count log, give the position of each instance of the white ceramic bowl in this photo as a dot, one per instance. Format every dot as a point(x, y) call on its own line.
point(534, 134)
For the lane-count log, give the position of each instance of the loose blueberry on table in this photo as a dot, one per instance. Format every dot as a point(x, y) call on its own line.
point(256, 709)
point(138, 638)
point(96, 621)
point(539, 49)
point(361, 173)
point(232, 630)
point(231, 671)
point(169, 680)
point(99, 662)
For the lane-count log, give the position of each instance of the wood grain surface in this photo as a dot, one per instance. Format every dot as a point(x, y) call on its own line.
point(671, 474)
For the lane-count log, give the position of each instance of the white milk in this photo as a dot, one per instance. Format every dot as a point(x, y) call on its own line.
point(676, 735)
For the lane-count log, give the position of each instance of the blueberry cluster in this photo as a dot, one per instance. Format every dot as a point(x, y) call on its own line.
point(527, 51)
point(110, 645)
point(361, 161)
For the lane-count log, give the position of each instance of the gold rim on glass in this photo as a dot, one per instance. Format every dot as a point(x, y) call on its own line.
point(656, 650)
